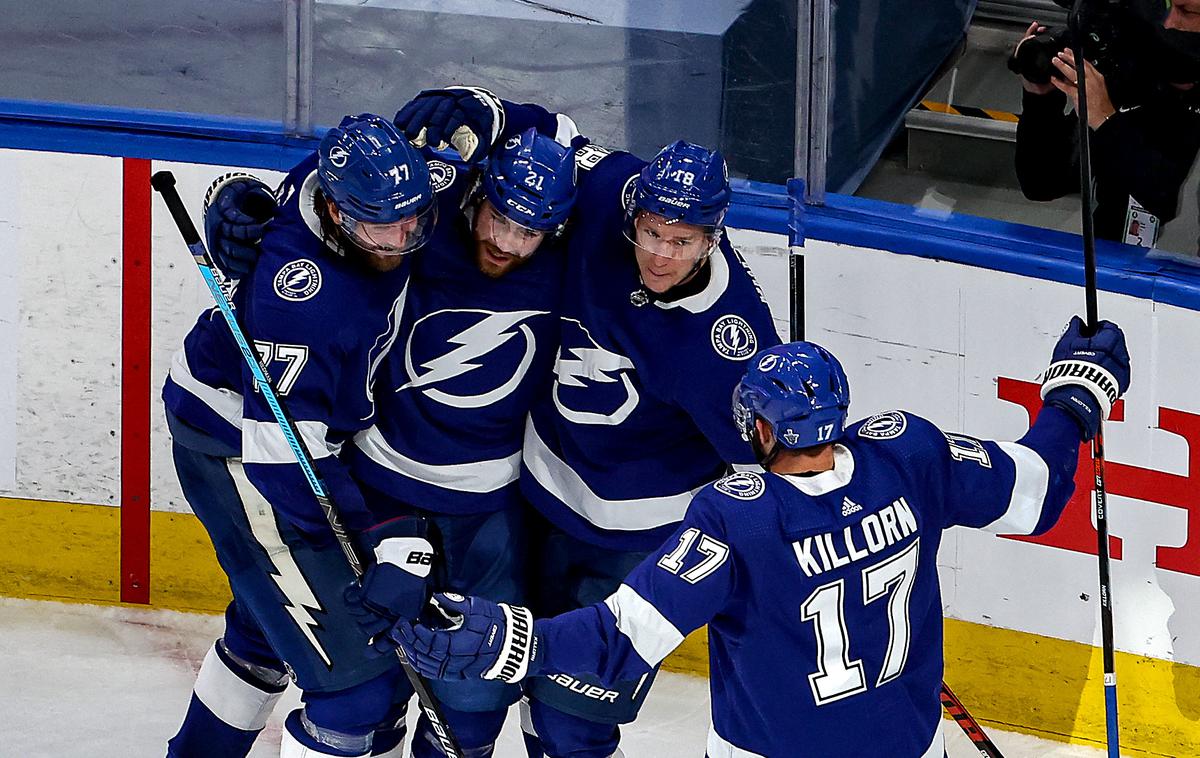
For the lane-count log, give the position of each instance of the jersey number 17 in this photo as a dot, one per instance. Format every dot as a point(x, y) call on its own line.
point(837, 675)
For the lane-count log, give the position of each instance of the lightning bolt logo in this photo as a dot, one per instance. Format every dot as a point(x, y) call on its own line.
point(474, 343)
point(301, 600)
point(599, 366)
point(298, 280)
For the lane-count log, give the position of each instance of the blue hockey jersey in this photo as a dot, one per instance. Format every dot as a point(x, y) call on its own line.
point(821, 592)
point(453, 394)
point(638, 416)
point(323, 324)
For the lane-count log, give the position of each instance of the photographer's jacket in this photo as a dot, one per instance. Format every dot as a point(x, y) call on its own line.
point(1143, 152)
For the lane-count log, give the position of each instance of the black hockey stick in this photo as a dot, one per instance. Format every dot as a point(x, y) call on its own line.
point(969, 725)
point(164, 183)
point(1093, 323)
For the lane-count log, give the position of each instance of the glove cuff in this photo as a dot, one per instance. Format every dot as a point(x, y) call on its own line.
point(519, 648)
point(1099, 382)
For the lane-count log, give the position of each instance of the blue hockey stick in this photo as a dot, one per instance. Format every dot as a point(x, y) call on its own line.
point(164, 183)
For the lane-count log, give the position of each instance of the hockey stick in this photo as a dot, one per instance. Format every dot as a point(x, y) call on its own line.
point(1093, 323)
point(969, 725)
point(164, 183)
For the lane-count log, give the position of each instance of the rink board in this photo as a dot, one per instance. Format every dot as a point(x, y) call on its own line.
point(958, 342)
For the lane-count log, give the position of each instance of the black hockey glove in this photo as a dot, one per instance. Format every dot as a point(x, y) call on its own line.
point(1087, 374)
point(237, 208)
point(470, 119)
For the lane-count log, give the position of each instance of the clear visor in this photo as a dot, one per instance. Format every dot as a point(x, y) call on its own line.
point(395, 238)
point(507, 235)
point(668, 238)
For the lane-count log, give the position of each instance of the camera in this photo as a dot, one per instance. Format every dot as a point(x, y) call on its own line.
point(1125, 40)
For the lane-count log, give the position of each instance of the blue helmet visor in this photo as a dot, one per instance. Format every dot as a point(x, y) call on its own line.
point(669, 237)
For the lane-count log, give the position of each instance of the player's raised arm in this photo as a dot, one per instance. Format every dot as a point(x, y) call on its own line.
point(474, 121)
point(1022, 487)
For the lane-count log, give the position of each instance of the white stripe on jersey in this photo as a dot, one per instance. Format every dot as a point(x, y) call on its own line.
point(566, 130)
point(561, 481)
point(1032, 478)
point(719, 747)
point(231, 698)
point(301, 598)
point(477, 476)
point(650, 633)
point(263, 441)
point(225, 403)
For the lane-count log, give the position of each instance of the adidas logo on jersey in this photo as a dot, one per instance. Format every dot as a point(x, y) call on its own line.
point(849, 506)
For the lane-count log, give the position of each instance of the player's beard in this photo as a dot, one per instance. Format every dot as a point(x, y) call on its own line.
point(493, 263)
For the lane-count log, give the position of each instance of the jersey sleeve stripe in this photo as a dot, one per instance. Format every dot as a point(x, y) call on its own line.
point(225, 403)
point(1030, 483)
point(263, 441)
point(477, 476)
point(563, 483)
point(650, 633)
point(567, 130)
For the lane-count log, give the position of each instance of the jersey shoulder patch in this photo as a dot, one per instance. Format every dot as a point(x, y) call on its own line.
point(884, 426)
point(297, 280)
point(744, 485)
point(733, 338)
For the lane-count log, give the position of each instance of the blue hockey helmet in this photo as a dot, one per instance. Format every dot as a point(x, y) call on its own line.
point(379, 183)
point(799, 389)
point(685, 182)
point(531, 181)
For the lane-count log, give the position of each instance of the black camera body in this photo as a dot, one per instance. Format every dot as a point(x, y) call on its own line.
point(1125, 41)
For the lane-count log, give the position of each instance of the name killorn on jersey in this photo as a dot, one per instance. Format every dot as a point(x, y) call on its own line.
point(877, 531)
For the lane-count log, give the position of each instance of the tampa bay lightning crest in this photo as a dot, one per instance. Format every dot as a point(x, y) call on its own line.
point(298, 280)
point(744, 485)
point(884, 426)
point(469, 358)
point(593, 385)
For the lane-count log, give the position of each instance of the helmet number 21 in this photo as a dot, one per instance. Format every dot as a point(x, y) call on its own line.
point(837, 675)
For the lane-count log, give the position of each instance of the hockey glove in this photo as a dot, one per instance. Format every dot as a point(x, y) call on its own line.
point(470, 119)
point(237, 208)
point(480, 640)
point(395, 584)
point(1087, 374)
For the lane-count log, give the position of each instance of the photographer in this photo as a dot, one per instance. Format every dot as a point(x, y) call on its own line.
point(1143, 112)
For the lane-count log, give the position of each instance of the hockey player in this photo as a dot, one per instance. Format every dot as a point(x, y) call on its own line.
point(660, 317)
point(320, 308)
point(817, 579)
point(477, 343)
point(476, 339)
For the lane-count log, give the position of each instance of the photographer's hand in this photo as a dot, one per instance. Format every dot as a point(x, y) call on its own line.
point(1037, 89)
point(1100, 106)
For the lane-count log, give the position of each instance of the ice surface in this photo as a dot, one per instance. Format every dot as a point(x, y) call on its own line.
point(113, 682)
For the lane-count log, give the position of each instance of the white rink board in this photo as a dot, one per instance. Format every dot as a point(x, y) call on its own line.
point(939, 336)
